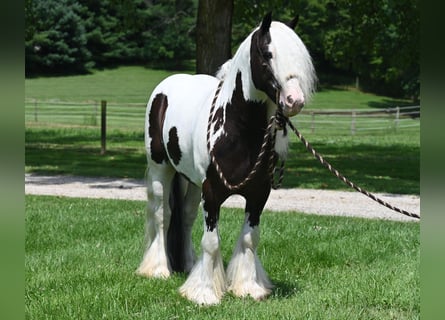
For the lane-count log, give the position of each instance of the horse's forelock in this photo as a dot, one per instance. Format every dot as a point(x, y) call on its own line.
point(292, 58)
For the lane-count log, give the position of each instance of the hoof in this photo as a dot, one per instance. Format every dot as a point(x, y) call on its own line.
point(206, 297)
point(159, 272)
point(252, 289)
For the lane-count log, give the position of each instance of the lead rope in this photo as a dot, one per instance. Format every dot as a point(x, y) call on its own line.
point(268, 139)
point(343, 178)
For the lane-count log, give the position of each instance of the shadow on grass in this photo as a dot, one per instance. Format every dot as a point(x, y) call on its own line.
point(284, 290)
point(391, 168)
point(389, 103)
point(76, 152)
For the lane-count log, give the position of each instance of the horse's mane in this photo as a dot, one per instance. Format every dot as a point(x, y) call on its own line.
point(222, 71)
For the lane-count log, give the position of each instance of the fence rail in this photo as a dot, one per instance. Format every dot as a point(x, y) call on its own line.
point(132, 115)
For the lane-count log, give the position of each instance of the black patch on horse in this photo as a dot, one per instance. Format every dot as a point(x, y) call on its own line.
point(218, 119)
point(173, 145)
point(236, 152)
point(156, 123)
point(245, 125)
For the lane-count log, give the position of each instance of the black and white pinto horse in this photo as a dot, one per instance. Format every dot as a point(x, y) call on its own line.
point(272, 65)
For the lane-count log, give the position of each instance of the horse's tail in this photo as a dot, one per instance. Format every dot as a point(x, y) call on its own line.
point(175, 233)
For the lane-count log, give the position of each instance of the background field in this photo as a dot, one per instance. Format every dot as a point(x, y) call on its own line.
point(385, 159)
point(81, 255)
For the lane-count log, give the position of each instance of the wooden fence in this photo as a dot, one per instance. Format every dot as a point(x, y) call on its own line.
point(131, 116)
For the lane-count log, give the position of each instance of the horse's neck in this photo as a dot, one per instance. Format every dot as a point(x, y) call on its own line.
point(240, 79)
point(244, 108)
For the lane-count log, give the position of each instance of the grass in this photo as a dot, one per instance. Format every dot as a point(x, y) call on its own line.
point(134, 84)
point(123, 84)
point(81, 256)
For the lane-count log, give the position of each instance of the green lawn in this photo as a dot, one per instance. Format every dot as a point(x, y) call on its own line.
point(81, 256)
point(123, 84)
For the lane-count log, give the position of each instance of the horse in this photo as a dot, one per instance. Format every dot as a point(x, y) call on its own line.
point(203, 137)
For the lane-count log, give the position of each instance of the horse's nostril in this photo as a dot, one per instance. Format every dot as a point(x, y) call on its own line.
point(290, 100)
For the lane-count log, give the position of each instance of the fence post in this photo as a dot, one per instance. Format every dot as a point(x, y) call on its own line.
point(396, 121)
point(35, 110)
point(353, 123)
point(312, 122)
point(96, 103)
point(103, 126)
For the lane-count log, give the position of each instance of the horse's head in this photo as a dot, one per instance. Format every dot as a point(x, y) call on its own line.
point(281, 65)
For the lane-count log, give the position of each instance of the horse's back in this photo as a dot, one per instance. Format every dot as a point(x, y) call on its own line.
point(176, 122)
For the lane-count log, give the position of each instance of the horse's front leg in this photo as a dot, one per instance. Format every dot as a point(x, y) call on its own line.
point(245, 274)
point(206, 283)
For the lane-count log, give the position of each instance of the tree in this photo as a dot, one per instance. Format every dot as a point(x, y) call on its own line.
point(213, 34)
point(73, 36)
point(168, 35)
point(378, 41)
point(56, 43)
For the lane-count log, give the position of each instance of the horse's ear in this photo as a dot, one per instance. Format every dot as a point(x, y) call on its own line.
point(265, 25)
point(293, 23)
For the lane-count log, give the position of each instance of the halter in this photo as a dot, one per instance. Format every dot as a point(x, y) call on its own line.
point(268, 141)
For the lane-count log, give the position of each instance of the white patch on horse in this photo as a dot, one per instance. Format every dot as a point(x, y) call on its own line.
point(282, 144)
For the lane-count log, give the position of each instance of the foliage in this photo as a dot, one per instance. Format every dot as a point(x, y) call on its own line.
point(376, 42)
point(81, 256)
point(57, 40)
point(73, 36)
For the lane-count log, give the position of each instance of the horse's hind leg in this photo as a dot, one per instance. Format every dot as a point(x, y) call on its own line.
point(155, 261)
point(191, 205)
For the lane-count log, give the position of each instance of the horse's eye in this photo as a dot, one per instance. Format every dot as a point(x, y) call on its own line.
point(267, 55)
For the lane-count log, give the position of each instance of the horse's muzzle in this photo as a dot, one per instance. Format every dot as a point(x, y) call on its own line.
point(291, 108)
point(291, 98)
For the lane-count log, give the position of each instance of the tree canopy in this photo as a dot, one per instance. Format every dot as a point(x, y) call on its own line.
point(376, 41)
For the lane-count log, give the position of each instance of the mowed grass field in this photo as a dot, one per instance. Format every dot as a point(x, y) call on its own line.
point(381, 161)
point(81, 257)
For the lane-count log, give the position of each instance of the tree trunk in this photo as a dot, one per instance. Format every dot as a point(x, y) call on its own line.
point(213, 35)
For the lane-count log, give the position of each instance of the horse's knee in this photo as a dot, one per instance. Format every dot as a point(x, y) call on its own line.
point(155, 189)
point(210, 242)
point(250, 237)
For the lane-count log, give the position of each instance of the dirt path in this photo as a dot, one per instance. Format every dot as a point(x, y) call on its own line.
point(321, 202)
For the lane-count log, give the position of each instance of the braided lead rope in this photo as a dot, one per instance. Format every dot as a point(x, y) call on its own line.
point(266, 139)
point(277, 185)
point(272, 162)
point(344, 179)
